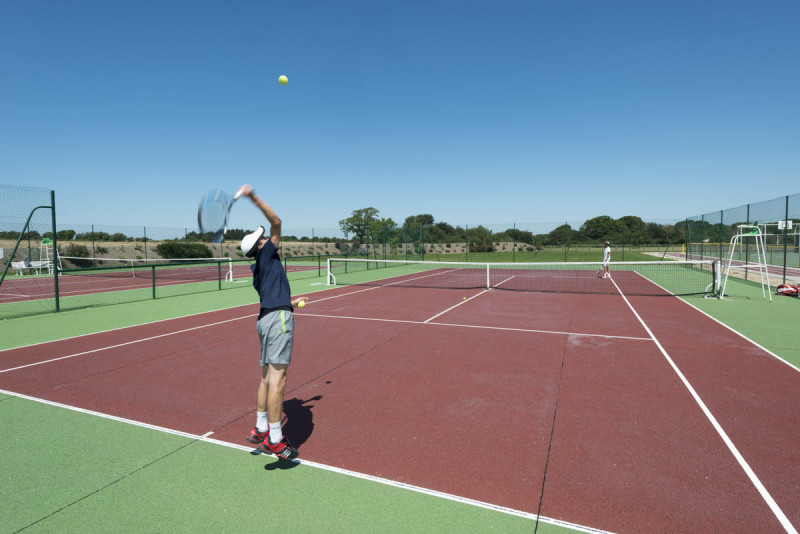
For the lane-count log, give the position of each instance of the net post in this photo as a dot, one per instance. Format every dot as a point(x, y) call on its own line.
point(219, 275)
point(488, 277)
point(153, 277)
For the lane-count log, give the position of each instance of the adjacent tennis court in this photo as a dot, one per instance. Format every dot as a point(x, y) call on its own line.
point(618, 410)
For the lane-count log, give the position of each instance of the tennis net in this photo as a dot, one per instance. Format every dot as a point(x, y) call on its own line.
point(658, 278)
point(167, 268)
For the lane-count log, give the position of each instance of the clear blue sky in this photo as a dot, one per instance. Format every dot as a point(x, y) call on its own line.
point(475, 112)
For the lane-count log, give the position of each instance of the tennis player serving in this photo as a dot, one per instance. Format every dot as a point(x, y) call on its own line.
point(275, 330)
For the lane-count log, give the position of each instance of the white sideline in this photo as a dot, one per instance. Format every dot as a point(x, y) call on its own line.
point(776, 510)
point(401, 485)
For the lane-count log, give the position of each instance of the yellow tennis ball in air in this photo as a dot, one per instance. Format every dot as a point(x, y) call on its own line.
point(283, 80)
point(301, 304)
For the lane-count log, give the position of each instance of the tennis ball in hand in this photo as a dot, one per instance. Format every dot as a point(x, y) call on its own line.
point(301, 304)
point(283, 80)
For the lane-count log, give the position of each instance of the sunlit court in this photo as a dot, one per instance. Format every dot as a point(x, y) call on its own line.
point(570, 409)
point(416, 267)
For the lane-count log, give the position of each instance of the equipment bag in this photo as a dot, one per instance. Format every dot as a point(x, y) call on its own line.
point(790, 290)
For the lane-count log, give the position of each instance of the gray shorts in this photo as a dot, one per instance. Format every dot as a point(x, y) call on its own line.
point(276, 331)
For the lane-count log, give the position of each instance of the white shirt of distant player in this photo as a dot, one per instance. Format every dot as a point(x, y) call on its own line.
point(606, 255)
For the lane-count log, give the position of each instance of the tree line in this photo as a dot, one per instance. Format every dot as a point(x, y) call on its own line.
point(366, 226)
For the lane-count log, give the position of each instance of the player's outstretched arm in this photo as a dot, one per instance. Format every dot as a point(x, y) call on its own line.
point(269, 213)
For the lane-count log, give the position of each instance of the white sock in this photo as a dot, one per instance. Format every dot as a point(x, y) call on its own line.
point(261, 421)
point(275, 432)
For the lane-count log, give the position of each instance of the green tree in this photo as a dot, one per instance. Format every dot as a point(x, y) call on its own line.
point(559, 235)
point(118, 237)
point(480, 239)
point(76, 252)
point(657, 233)
point(383, 230)
point(65, 235)
point(424, 219)
point(177, 248)
point(236, 233)
point(359, 223)
point(632, 230)
point(598, 228)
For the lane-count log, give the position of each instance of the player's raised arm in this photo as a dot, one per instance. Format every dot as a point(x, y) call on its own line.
point(269, 213)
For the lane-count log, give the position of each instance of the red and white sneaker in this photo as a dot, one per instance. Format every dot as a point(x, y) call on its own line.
point(283, 449)
point(257, 437)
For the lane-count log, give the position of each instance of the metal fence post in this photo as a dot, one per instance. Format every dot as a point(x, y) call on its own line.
point(747, 246)
point(785, 224)
point(514, 248)
point(55, 250)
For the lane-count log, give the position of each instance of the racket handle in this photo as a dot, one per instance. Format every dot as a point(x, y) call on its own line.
point(238, 194)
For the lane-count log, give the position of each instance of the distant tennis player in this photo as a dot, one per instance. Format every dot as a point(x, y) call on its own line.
point(606, 259)
point(275, 329)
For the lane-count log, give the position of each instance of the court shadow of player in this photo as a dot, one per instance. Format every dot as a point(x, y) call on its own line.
point(297, 429)
point(299, 420)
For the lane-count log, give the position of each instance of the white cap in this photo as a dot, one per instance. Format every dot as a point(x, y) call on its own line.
point(250, 242)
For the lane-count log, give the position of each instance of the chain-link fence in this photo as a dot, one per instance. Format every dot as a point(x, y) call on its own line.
point(708, 236)
point(83, 265)
point(27, 245)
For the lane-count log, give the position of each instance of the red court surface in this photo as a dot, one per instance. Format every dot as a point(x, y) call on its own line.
point(486, 395)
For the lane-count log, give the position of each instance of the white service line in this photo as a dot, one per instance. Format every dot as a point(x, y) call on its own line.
point(154, 322)
point(501, 328)
point(401, 485)
point(456, 306)
point(124, 344)
point(129, 326)
point(787, 525)
point(5, 295)
point(380, 286)
point(504, 281)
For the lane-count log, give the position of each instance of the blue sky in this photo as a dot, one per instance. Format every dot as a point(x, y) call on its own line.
point(476, 112)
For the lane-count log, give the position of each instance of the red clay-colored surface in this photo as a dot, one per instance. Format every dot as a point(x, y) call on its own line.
point(464, 404)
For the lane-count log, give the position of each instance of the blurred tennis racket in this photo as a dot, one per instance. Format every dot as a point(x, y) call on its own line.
point(212, 215)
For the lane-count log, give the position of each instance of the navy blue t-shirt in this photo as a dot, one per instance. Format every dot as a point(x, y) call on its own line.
point(270, 280)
